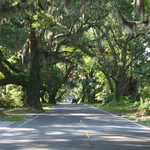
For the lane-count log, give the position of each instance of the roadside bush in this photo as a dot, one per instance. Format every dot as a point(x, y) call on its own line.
point(136, 105)
point(144, 106)
point(104, 97)
point(145, 92)
point(11, 96)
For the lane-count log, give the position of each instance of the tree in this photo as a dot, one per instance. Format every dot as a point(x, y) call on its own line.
point(46, 32)
point(117, 50)
point(55, 33)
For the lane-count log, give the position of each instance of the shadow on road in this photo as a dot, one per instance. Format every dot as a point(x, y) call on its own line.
point(75, 127)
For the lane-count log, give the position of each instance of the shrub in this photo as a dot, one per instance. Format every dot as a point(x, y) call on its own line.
point(11, 96)
point(144, 106)
point(145, 92)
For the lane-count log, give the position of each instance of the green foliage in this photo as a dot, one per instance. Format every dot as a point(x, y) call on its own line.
point(68, 31)
point(10, 35)
point(11, 96)
point(5, 117)
point(52, 77)
point(2, 76)
point(125, 7)
point(105, 96)
point(144, 107)
point(147, 7)
point(43, 19)
point(145, 92)
point(48, 106)
point(145, 122)
point(14, 118)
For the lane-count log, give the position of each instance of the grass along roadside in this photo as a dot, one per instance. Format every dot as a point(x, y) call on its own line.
point(48, 106)
point(13, 114)
point(126, 110)
point(6, 117)
point(25, 110)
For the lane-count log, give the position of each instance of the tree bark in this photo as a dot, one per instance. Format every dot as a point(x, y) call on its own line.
point(139, 5)
point(118, 93)
point(33, 88)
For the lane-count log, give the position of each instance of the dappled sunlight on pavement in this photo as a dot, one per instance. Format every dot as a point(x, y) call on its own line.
point(75, 127)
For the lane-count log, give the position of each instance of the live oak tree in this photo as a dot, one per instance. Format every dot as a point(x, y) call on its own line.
point(48, 29)
point(60, 32)
point(117, 48)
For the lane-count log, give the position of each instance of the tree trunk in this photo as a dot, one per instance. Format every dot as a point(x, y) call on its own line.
point(109, 81)
point(33, 88)
point(139, 5)
point(110, 84)
point(118, 93)
point(122, 86)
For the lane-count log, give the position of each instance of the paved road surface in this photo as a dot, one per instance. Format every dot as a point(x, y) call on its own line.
point(75, 127)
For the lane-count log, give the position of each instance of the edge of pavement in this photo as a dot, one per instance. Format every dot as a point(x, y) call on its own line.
point(16, 123)
point(117, 116)
point(29, 117)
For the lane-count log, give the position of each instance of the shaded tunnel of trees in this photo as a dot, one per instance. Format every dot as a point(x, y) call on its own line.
point(96, 50)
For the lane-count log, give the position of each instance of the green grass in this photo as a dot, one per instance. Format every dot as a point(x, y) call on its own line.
point(10, 114)
point(25, 110)
point(117, 108)
point(22, 110)
point(131, 116)
point(145, 122)
point(14, 118)
point(5, 117)
point(48, 106)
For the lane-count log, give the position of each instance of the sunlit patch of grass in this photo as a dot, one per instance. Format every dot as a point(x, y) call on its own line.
point(131, 116)
point(23, 110)
point(14, 118)
point(145, 122)
point(5, 117)
point(117, 108)
point(48, 106)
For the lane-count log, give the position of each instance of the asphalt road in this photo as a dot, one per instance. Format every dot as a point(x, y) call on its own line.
point(75, 127)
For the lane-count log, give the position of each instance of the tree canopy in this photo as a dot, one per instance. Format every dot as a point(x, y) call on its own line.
point(89, 48)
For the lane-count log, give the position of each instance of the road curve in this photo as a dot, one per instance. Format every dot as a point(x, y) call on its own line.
point(75, 127)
